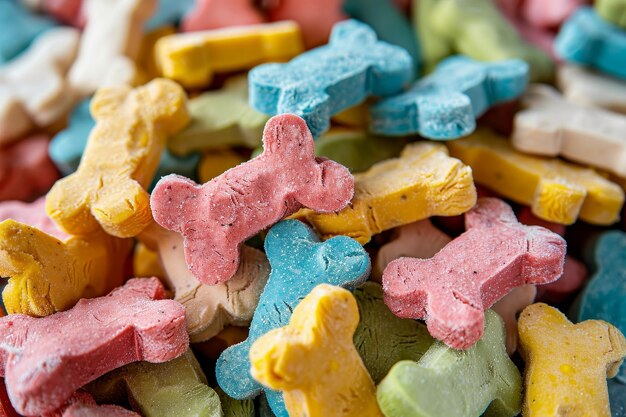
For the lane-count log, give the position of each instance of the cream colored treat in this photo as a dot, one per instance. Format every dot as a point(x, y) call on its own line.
point(585, 86)
point(508, 307)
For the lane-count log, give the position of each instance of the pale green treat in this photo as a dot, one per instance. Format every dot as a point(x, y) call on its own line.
point(175, 388)
point(475, 28)
point(235, 408)
point(383, 339)
point(357, 150)
point(456, 383)
point(220, 118)
point(613, 11)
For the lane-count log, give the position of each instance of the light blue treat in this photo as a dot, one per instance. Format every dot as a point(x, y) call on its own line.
point(589, 40)
point(169, 12)
point(389, 23)
point(617, 398)
point(18, 28)
point(604, 297)
point(326, 80)
point(299, 262)
point(445, 104)
point(67, 147)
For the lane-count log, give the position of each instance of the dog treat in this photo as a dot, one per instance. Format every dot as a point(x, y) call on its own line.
point(431, 387)
point(567, 364)
point(613, 11)
point(508, 308)
point(445, 104)
point(81, 404)
point(45, 360)
point(33, 89)
point(381, 338)
point(585, 86)
point(174, 388)
point(299, 262)
point(589, 40)
point(216, 217)
point(209, 308)
point(550, 125)
point(19, 29)
point(423, 182)
point(216, 162)
point(215, 14)
point(500, 253)
point(324, 81)
point(557, 191)
point(294, 359)
point(220, 118)
point(121, 157)
point(192, 59)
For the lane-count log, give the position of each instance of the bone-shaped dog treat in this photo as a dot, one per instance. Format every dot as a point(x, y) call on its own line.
point(220, 118)
point(32, 214)
point(433, 386)
point(33, 89)
point(551, 14)
point(19, 29)
point(209, 307)
point(299, 262)
point(567, 364)
point(415, 240)
point(445, 104)
point(66, 11)
point(313, 361)
point(603, 298)
point(509, 306)
point(315, 19)
point(193, 58)
point(589, 40)
point(81, 404)
point(324, 81)
point(174, 388)
point(25, 169)
point(47, 274)
point(389, 22)
point(215, 163)
point(355, 149)
point(474, 28)
point(381, 338)
point(121, 157)
point(215, 218)
point(45, 360)
point(613, 11)
point(6, 408)
point(585, 86)
point(551, 125)
point(452, 289)
point(109, 44)
point(423, 182)
point(557, 191)
point(215, 14)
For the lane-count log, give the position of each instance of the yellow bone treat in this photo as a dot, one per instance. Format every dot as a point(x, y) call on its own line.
point(423, 182)
point(313, 359)
point(47, 275)
point(216, 162)
point(556, 191)
point(193, 58)
point(567, 364)
point(120, 159)
point(146, 262)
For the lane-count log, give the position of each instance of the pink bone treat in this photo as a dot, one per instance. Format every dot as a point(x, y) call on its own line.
point(45, 360)
point(216, 217)
point(82, 404)
point(452, 289)
point(574, 271)
point(315, 18)
point(215, 14)
point(32, 214)
point(26, 169)
point(549, 14)
point(66, 11)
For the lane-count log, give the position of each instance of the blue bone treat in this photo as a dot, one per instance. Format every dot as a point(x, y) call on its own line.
point(604, 297)
point(299, 263)
point(67, 147)
point(589, 40)
point(388, 21)
point(169, 12)
point(617, 398)
point(445, 104)
point(326, 80)
point(18, 28)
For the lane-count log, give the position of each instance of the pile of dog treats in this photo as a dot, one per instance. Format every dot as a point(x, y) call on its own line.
point(312, 208)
